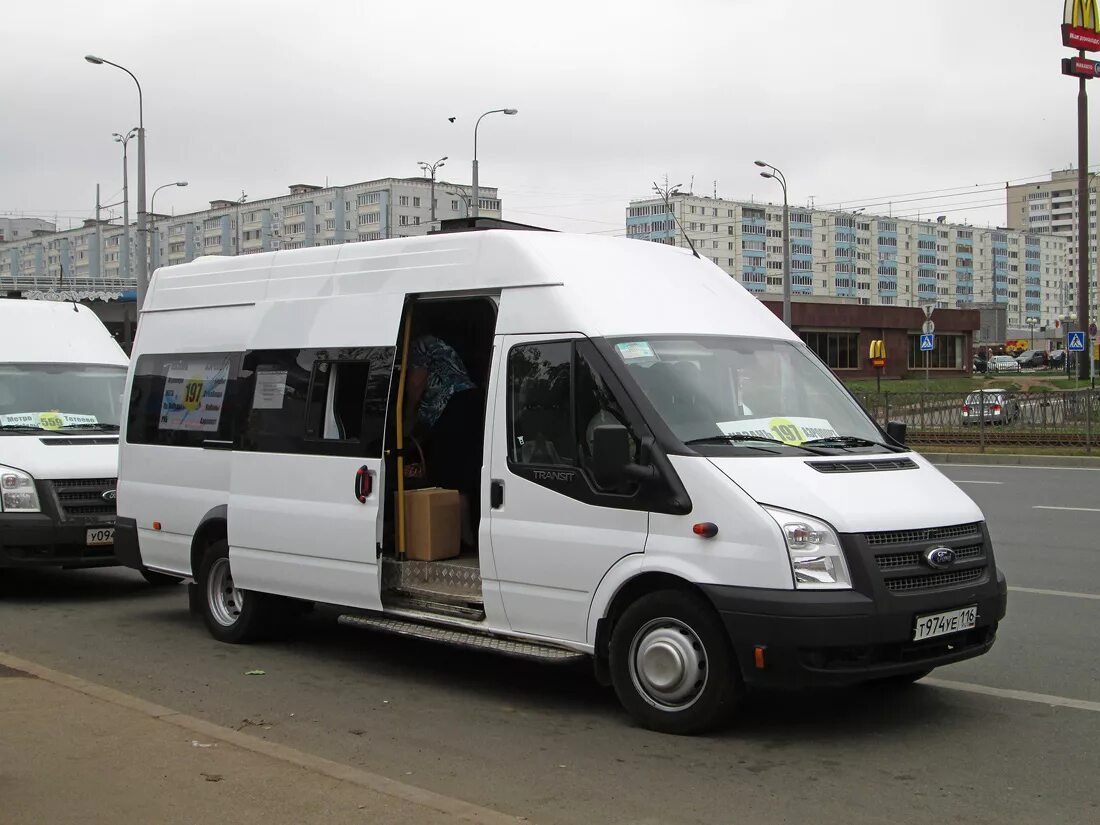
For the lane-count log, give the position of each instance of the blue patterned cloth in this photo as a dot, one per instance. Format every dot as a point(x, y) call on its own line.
point(446, 375)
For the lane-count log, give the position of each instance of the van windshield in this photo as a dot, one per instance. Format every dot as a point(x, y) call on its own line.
point(708, 388)
point(63, 397)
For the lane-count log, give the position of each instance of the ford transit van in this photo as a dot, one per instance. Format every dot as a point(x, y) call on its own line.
point(62, 377)
point(650, 469)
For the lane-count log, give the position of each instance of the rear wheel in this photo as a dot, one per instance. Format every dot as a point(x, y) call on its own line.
point(231, 614)
point(672, 665)
point(160, 579)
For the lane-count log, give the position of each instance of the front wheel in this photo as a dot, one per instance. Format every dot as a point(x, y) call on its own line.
point(672, 665)
point(231, 614)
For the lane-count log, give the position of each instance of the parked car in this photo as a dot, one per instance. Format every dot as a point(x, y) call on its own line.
point(993, 406)
point(1003, 363)
point(1057, 359)
point(980, 364)
point(1032, 358)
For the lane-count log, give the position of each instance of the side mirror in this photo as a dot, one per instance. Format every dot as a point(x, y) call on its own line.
point(895, 431)
point(610, 453)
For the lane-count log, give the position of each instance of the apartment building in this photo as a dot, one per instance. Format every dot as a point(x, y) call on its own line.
point(14, 229)
point(1051, 207)
point(866, 259)
point(94, 262)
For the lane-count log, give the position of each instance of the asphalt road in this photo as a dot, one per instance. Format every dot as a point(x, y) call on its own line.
point(547, 743)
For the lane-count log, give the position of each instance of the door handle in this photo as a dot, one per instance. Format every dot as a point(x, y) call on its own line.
point(364, 483)
point(496, 494)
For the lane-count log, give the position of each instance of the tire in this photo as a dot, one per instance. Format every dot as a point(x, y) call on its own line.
point(232, 615)
point(160, 579)
point(681, 632)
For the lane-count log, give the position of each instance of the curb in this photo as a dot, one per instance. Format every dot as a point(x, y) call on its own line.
point(447, 805)
point(999, 459)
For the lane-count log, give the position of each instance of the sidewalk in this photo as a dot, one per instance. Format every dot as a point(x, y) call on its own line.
point(70, 756)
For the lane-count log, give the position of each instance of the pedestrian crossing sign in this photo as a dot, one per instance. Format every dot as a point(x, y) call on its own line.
point(1075, 342)
point(926, 342)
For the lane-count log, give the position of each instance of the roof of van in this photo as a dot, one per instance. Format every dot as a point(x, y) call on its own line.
point(55, 332)
point(608, 286)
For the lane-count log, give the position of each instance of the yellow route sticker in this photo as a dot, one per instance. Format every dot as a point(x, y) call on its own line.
point(786, 431)
point(50, 421)
point(192, 393)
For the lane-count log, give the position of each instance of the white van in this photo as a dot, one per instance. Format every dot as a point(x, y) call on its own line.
point(667, 479)
point(61, 381)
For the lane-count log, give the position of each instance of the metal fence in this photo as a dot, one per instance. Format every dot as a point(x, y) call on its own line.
point(1069, 418)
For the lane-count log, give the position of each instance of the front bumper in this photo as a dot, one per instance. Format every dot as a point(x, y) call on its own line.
point(841, 637)
point(39, 540)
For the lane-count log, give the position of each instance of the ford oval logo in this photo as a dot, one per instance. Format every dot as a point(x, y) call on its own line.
point(109, 495)
point(939, 558)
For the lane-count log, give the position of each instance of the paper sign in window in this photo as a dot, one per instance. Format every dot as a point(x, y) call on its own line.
point(270, 390)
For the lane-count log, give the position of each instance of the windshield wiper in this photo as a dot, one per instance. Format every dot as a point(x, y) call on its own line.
point(848, 441)
point(109, 427)
point(720, 439)
point(25, 427)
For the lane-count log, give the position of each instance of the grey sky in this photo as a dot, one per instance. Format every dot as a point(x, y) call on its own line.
point(855, 100)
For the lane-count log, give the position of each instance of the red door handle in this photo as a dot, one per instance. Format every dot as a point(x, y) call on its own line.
point(363, 484)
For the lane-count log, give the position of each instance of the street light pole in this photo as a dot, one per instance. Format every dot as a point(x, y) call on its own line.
point(430, 168)
point(124, 263)
point(155, 250)
point(143, 251)
point(776, 175)
point(477, 194)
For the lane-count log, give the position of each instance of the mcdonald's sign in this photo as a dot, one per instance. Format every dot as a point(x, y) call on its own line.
point(1081, 25)
point(878, 353)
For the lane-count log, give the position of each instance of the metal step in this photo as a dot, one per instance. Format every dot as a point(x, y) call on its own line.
point(464, 638)
point(455, 581)
point(416, 602)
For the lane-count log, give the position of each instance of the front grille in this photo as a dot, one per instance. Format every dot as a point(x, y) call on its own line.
point(863, 466)
point(909, 584)
point(892, 561)
point(84, 496)
point(930, 534)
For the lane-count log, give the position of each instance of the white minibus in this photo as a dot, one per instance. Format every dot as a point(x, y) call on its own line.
point(627, 457)
point(62, 375)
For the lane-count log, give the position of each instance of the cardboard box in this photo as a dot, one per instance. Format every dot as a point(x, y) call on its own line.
point(433, 524)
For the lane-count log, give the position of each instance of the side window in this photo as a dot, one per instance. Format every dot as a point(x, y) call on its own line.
point(317, 401)
point(557, 399)
point(183, 400)
point(539, 402)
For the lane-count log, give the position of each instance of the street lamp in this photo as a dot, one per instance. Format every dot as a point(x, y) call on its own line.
point(125, 139)
point(477, 194)
point(143, 252)
point(776, 175)
point(155, 254)
point(429, 168)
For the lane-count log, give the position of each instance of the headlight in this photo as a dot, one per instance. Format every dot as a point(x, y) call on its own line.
point(17, 493)
point(817, 559)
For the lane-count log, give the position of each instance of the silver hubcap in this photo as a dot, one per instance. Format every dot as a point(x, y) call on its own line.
point(668, 664)
point(226, 601)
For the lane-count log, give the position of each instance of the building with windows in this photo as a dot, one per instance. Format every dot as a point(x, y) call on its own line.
point(875, 260)
point(15, 229)
point(1051, 207)
point(93, 262)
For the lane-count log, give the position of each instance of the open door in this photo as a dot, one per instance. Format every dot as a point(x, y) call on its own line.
point(306, 491)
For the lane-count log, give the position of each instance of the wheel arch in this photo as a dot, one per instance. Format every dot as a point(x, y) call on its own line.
point(212, 527)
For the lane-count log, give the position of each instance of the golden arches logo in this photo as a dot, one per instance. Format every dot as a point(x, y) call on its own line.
point(1082, 14)
point(878, 349)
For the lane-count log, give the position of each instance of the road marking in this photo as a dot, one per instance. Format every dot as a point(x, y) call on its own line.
point(450, 806)
point(972, 481)
point(1075, 509)
point(1020, 695)
point(1068, 593)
